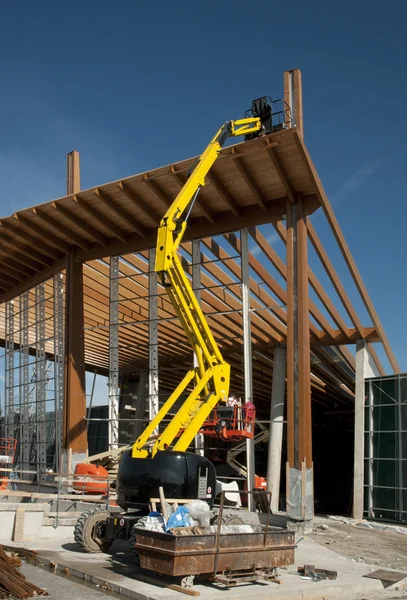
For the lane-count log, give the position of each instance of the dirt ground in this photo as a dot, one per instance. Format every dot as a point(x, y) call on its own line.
point(375, 547)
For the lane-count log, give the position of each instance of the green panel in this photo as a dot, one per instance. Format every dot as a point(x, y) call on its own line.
point(385, 472)
point(385, 418)
point(385, 445)
point(384, 391)
point(386, 499)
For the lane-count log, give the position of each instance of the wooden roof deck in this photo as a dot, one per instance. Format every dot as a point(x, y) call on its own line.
point(250, 185)
point(244, 188)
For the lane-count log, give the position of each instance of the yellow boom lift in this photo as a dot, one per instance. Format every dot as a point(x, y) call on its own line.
point(210, 379)
point(161, 458)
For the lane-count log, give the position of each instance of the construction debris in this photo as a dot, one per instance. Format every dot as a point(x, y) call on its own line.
point(310, 572)
point(13, 584)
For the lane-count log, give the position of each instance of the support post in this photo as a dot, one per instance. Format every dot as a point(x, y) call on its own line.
point(75, 439)
point(299, 420)
point(59, 347)
point(25, 426)
point(196, 286)
point(41, 380)
point(73, 183)
point(276, 427)
point(9, 408)
point(153, 389)
point(114, 391)
point(293, 97)
point(359, 442)
point(75, 435)
point(247, 358)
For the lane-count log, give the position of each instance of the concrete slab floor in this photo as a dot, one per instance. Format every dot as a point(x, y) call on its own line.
point(121, 575)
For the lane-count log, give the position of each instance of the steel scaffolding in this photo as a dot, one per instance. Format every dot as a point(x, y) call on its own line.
point(34, 375)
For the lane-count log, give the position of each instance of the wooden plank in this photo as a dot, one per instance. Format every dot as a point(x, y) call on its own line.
point(83, 225)
point(18, 532)
point(65, 231)
point(223, 192)
point(120, 212)
point(39, 232)
point(116, 231)
point(251, 183)
point(42, 245)
point(32, 281)
point(141, 204)
point(278, 165)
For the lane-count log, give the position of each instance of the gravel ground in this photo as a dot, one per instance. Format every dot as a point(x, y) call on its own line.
point(383, 548)
point(58, 587)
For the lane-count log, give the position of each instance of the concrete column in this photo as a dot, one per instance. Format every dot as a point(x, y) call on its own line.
point(359, 447)
point(276, 427)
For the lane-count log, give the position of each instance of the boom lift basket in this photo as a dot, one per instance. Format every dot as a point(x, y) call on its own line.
point(231, 423)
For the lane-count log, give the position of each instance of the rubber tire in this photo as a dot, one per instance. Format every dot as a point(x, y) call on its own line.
point(83, 532)
point(234, 520)
point(228, 520)
point(133, 552)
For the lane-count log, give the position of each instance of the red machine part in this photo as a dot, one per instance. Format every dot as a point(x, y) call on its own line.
point(92, 479)
point(231, 423)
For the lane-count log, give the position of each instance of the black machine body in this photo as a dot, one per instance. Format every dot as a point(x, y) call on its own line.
point(181, 474)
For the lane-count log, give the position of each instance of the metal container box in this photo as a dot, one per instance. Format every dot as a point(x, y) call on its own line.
point(211, 553)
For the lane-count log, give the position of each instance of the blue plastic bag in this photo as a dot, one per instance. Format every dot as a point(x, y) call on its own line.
point(179, 518)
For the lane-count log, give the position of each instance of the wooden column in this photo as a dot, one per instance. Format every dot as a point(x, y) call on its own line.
point(291, 359)
point(304, 358)
point(293, 98)
point(75, 434)
point(299, 420)
point(73, 183)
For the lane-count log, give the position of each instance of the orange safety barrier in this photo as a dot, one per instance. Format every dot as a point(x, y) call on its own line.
point(96, 481)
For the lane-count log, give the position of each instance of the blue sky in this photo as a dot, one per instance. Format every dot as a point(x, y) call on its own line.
point(133, 85)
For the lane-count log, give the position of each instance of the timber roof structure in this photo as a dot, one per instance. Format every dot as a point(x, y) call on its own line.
point(251, 184)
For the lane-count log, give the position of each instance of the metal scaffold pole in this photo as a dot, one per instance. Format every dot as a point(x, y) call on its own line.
point(153, 405)
point(9, 408)
point(25, 426)
point(40, 380)
point(196, 286)
point(114, 353)
point(59, 357)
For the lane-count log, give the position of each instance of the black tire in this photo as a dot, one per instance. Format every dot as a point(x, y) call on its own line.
point(132, 541)
point(234, 520)
point(228, 520)
point(87, 531)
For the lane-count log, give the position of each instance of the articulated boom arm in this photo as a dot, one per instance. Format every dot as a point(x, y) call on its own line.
point(210, 379)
